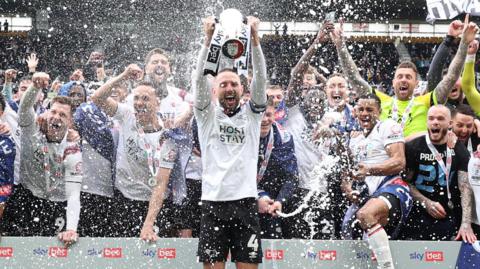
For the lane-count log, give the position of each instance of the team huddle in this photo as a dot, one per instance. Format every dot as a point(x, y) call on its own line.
point(132, 156)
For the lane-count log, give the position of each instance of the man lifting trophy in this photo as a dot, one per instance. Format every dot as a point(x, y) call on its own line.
point(229, 135)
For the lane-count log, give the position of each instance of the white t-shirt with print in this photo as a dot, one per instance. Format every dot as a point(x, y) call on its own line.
point(133, 173)
point(371, 149)
point(229, 147)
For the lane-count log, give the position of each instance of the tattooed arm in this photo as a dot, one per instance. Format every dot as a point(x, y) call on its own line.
point(445, 86)
point(466, 233)
point(296, 78)
point(434, 209)
point(442, 55)
point(347, 64)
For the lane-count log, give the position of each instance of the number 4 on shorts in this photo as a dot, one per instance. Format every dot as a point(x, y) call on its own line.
point(253, 242)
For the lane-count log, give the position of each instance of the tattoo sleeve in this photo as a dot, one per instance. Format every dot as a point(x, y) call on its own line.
point(466, 197)
point(350, 69)
point(296, 79)
point(417, 196)
point(445, 86)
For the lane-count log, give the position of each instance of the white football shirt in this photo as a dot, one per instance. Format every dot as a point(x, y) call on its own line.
point(371, 149)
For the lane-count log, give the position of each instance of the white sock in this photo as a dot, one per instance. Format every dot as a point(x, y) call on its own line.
point(378, 241)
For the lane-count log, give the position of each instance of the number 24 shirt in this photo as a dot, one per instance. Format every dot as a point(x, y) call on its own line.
point(429, 177)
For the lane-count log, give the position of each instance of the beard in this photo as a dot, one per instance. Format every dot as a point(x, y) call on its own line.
point(159, 86)
point(229, 107)
point(437, 137)
point(56, 135)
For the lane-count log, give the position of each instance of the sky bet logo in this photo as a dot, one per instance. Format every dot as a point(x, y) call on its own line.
point(327, 255)
point(112, 253)
point(6, 252)
point(167, 253)
point(274, 254)
point(57, 252)
point(428, 256)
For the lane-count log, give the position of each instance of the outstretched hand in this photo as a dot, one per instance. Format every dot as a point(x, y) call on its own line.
point(466, 234)
point(32, 62)
point(470, 30)
point(208, 28)
point(68, 237)
point(148, 234)
point(324, 32)
point(337, 34)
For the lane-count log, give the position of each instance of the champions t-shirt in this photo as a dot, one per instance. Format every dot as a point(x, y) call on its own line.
point(133, 174)
point(429, 178)
point(229, 147)
point(417, 118)
point(371, 149)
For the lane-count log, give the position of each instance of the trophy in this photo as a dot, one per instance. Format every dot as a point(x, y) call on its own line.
point(231, 21)
point(230, 44)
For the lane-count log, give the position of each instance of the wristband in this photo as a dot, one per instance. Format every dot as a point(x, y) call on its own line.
point(449, 40)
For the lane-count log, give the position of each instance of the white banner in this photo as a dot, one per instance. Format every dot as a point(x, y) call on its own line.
point(449, 9)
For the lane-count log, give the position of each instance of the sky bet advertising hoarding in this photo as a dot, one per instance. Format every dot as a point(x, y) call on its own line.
point(132, 253)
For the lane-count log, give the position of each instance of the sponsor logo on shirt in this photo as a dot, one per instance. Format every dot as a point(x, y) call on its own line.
point(166, 253)
point(430, 157)
point(274, 254)
point(231, 135)
point(327, 255)
point(6, 252)
point(427, 256)
point(113, 253)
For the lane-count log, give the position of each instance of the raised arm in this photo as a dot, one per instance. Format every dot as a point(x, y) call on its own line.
point(445, 86)
point(26, 114)
point(468, 78)
point(441, 57)
point(201, 93)
point(101, 97)
point(259, 81)
point(32, 63)
point(7, 87)
point(466, 194)
point(347, 65)
point(296, 78)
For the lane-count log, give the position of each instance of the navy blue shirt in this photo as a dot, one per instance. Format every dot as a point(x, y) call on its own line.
point(281, 176)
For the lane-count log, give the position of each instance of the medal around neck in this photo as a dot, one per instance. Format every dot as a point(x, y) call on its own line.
point(152, 181)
